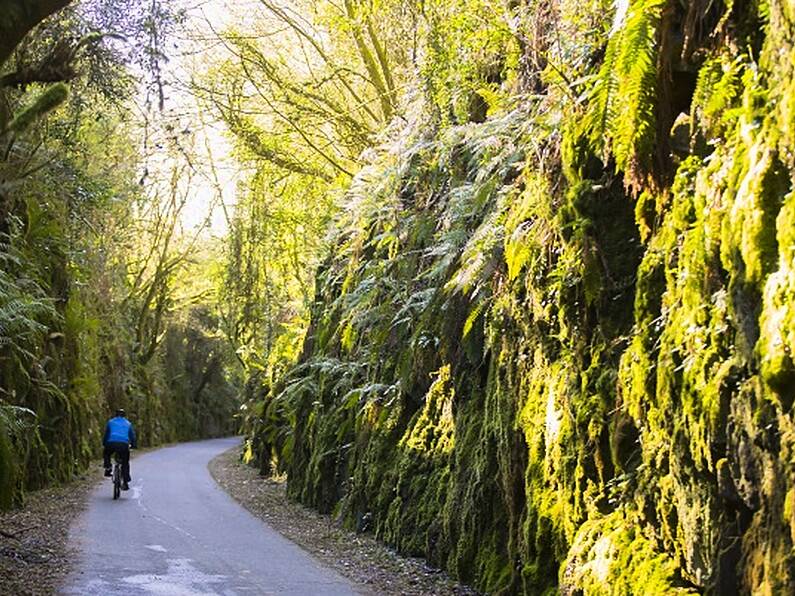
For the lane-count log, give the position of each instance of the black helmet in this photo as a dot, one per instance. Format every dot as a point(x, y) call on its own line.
point(121, 412)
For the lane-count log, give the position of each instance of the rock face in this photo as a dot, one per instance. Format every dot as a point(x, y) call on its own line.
point(553, 349)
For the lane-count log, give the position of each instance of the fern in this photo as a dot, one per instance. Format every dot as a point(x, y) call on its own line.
point(718, 88)
point(622, 116)
point(25, 313)
point(15, 419)
point(601, 113)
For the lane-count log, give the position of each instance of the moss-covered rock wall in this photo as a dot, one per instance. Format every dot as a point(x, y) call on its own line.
point(552, 349)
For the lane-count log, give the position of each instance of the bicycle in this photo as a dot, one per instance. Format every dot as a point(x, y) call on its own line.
point(116, 477)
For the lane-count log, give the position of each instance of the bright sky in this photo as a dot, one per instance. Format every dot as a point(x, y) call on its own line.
point(204, 197)
point(210, 185)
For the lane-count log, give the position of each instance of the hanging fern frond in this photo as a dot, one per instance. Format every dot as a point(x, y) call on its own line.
point(622, 111)
point(25, 316)
point(16, 419)
point(718, 88)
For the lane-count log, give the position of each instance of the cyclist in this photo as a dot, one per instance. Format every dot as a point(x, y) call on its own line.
point(119, 437)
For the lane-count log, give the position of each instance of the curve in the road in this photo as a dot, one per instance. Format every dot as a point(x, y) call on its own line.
point(176, 533)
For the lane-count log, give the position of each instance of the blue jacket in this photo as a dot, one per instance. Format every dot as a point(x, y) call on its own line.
point(119, 430)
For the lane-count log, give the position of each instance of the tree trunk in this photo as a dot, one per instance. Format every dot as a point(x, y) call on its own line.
point(17, 17)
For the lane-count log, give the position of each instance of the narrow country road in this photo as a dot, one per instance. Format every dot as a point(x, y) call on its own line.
point(176, 533)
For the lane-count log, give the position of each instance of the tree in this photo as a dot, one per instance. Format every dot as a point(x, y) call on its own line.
point(90, 258)
point(19, 17)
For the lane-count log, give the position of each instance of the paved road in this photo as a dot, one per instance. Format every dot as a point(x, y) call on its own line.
point(176, 533)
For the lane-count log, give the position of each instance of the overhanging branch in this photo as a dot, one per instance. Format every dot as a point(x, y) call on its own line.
point(19, 17)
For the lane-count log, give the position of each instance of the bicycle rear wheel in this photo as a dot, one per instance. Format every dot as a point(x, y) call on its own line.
point(116, 480)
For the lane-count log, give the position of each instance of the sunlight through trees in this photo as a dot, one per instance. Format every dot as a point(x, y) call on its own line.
point(507, 283)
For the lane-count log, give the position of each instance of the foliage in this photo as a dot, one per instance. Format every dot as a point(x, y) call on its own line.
point(90, 295)
point(472, 56)
point(531, 376)
point(623, 99)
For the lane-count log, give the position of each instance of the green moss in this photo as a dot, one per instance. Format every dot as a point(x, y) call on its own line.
point(550, 385)
point(45, 102)
point(777, 323)
point(616, 555)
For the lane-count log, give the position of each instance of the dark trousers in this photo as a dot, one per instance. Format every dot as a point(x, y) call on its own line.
point(123, 449)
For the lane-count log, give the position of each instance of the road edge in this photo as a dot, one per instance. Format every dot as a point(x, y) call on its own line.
point(36, 553)
point(362, 559)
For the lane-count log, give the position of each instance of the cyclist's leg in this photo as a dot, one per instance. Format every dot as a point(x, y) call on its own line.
point(125, 463)
point(106, 451)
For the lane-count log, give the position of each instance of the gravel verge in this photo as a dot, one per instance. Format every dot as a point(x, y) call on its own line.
point(34, 555)
point(359, 557)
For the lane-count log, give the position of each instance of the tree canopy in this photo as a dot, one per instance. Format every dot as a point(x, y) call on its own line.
point(510, 281)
